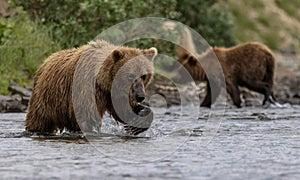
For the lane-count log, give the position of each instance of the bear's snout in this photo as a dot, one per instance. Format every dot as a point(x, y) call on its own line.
point(139, 92)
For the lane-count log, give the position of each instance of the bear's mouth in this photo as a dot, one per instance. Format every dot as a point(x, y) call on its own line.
point(141, 122)
point(135, 117)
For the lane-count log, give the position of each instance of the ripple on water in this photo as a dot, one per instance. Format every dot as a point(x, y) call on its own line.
point(249, 143)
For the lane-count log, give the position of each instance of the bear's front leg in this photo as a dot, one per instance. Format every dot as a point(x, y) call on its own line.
point(212, 92)
point(234, 93)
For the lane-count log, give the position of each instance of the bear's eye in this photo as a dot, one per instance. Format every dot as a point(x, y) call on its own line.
point(185, 56)
point(131, 77)
point(192, 61)
point(143, 77)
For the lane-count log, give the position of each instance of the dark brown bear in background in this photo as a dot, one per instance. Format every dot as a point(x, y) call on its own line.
point(51, 107)
point(249, 65)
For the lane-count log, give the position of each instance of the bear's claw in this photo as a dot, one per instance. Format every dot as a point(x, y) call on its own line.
point(134, 130)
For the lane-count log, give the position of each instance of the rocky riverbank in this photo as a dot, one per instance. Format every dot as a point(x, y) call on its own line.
point(286, 90)
point(17, 100)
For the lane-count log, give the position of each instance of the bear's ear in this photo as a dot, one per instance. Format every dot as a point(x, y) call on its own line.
point(181, 53)
point(151, 53)
point(117, 55)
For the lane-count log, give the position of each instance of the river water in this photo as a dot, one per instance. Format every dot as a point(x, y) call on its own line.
point(247, 143)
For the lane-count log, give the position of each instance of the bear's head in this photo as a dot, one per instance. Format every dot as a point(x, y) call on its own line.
point(130, 71)
point(188, 66)
point(198, 67)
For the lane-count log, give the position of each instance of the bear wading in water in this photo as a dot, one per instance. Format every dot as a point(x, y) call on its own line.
point(73, 89)
point(249, 65)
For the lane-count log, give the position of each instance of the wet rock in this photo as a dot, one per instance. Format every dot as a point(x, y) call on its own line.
point(18, 99)
point(5, 98)
point(25, 100)
point(11, 104)
point(17, 89)
point(251, 98)
point(288, 89)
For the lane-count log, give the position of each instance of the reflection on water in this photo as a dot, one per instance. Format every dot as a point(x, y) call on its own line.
point(247, 143)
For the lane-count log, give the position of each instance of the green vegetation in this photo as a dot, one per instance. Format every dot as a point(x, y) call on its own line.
point(274, 23)
point(243, 23)
point(39, 27)
point(73, 23)
point(209, 19)
point(24, 46)
point(290, 7)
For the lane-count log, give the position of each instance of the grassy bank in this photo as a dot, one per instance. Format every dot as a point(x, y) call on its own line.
point(25, 43)
point(23, 48)
point(275, 23)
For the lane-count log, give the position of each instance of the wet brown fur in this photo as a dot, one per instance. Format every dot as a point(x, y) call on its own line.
point(249, 65)
point(51, 107)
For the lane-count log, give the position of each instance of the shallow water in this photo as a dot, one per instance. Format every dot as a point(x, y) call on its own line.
point(251, 143)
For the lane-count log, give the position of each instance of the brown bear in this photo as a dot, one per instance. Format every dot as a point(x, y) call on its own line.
point(249, 65)
point(73, 88)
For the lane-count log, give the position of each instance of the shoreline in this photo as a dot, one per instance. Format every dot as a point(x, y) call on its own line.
point(286, 89)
